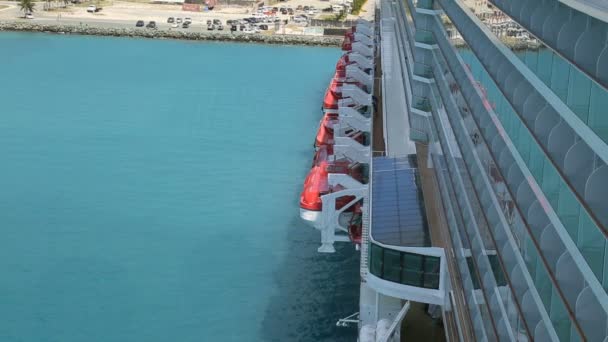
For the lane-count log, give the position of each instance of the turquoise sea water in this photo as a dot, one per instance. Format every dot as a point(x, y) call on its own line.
point(149, 192)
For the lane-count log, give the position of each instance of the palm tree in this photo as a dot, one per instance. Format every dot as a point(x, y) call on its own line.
point(27, 6)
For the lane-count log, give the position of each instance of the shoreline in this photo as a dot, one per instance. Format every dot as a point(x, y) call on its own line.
point(274, 39)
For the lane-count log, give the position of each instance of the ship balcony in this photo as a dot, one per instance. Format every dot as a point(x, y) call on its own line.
point(402, 263)
point(427, 7)
point(423, 73)
point(425, 39)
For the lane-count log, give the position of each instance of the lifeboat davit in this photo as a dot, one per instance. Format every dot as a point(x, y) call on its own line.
point(316, 185)
point(322, 154)
point(325, 133)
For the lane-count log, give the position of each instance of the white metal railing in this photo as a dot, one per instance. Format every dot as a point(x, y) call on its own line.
point(364, 269)
point(394, 328)
point(348, 320)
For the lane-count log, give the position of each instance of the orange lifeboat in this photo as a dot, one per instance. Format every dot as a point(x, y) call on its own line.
point(342, 63)
point(332, 95)
point(322, 154)
point(347, 44)
point(341, 68)
point(325, 134)
point(316, 185)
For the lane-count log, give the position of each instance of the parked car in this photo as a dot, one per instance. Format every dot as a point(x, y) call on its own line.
point(210, 27)
point(234, 28)
point(263, 27)
point(290, 11)
point(185, 24)
point(299, 8)
point(305, 8)
point(151, 24)
point(229, 22)
point(220, 27)
point(209, 22)
point(29, 15)
point(140, 23)
point(217, 22)
point(93, 9)
point(170, 20)
point(178, 20)
point(188, 20)
point(300, 19)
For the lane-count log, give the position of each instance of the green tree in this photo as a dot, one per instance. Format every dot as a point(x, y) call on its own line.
point(27, 6)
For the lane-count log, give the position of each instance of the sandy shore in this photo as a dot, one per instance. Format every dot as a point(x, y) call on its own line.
point(97, 30)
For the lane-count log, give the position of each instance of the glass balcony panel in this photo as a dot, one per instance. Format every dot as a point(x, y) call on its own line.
point(591, 316)
point(579, 89)
point(561, 139)
point(592, 244)
point(536, 162)
point(531, 59)
point(426, 4)
point(530, 256)
point(421, 103)
point(559, 317)
point(551, 183)
point(559, 78)
point(578, 165)
point(569, 278)
point(543, 284)
point(595, 193)
point(545, 65)
point(568, 210)
point(423, 70)
point(424, 36)
point(598, 120)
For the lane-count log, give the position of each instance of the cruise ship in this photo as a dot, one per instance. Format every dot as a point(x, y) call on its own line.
point(463, 151)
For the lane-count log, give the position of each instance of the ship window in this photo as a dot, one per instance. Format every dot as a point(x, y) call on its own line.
point(392, 265)
point(405, 268)
point(376, 260)
point(431, 272)
point(412, 269)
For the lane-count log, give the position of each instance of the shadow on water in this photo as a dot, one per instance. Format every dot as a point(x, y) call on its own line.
point(315, 290)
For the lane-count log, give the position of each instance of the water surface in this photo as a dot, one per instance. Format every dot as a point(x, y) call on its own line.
point(149, 192)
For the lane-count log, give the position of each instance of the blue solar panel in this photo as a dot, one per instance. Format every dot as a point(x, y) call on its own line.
point(397, 205)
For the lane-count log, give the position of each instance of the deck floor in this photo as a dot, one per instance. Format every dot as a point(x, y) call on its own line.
point(378, 144)
point(440, 237)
